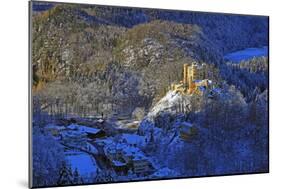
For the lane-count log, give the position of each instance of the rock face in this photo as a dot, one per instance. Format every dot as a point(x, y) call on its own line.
point(138, 113)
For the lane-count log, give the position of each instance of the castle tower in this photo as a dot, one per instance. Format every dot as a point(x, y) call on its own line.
point(185, 75)
point(194, 72)
point(204, 71)
point(191, 71)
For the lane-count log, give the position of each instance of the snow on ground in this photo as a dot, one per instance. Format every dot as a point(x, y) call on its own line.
point(167, 103)
point(89, 129)
point(165, 172)
point(72, 126)
point(134, 139)
point(118, 163)
point(81, 129)
point(127, 124)
point(90, 148)
point(54, 127)
point(84, 163)
point(246, 54)
point(72, 134)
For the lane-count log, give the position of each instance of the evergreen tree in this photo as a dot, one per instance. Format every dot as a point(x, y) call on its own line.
point(66, 177)
point(76, 177)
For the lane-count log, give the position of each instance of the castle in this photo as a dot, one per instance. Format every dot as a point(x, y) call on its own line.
point(196, 79)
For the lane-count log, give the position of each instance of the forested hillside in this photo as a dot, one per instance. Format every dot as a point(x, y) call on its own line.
point(80, 46)
point(71, 53)
point(228, 32)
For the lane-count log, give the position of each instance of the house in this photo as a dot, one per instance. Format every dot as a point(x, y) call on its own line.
point(135, 159)
point(89, 131)
point(103, 177)
point(120, 166)
point(187, 131)
point(125, 157)
point(54, 129)
point(72, 127)
point(73, 138)
point(92, 133)
point(116, 159)
point(133, 140)
point(141, 165)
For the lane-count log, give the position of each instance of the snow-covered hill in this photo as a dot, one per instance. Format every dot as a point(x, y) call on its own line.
point(163, 121)
point(168, 104)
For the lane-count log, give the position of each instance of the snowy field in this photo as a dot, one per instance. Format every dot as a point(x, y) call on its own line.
point(246, 54)
point(84, 163)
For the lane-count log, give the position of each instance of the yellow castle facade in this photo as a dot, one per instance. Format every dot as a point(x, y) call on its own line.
point(196, 79)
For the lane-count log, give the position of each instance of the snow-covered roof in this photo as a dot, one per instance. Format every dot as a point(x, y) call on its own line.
point(90, 148)
point(100, 120)
point(133, 139)
point(186, 124)
point(217, 90)
point(140, 156)
point(89, 130)
point(118, 163)
point(56, 127)
point(72, 126)
point(83, 128)
point(202, 88)
point(72, 134)
point(125, 149)
point(136, 153)
point(167, 103)
point(105, 141)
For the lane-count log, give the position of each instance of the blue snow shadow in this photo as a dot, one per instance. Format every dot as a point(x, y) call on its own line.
point(246, 54)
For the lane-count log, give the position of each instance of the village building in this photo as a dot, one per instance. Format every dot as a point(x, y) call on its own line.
point(93, 133)
point(54, 129)
point(133, 140)
point(73, 138)
point(120, 166)
point(90, 132)
point(187, 131)
point(141, 165)
point(103, 177)
point(125, 156)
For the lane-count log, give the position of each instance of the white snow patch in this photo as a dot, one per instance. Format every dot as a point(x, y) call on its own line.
point(84, 163)
point(165, 172)
point(134, 139)
point(167, 103)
